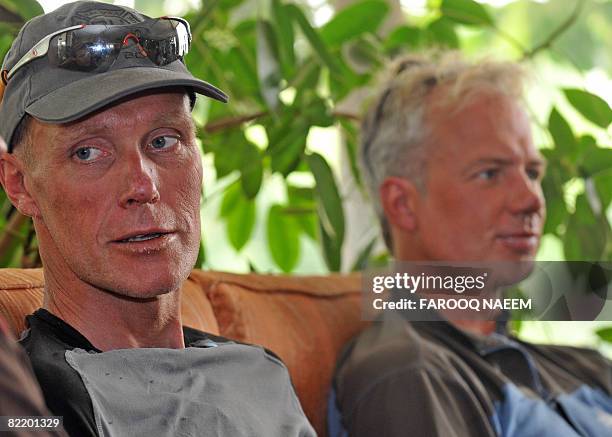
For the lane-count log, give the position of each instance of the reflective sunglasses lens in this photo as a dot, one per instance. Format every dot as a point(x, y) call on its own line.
point(95, 48)
point(161, 52)
point(169, 41)
point(84, 50)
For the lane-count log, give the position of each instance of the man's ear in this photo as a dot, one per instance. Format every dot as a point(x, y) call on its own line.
point(12, 179)
point(399, 200)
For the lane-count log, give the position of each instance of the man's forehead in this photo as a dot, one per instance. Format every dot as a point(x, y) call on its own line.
point(446, 103)
point(162, 108)
point(486, 126)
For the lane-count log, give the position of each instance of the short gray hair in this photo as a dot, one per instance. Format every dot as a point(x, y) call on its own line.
point(394, 131)
point(21, 143)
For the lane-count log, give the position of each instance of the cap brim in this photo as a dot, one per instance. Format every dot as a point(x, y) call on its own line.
point(82, 97)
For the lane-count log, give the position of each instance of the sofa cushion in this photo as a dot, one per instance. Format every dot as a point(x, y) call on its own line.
point(21, 293)
point(304, 320)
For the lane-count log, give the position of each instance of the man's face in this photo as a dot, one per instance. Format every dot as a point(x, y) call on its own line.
point(118, 195)
point(483, 200)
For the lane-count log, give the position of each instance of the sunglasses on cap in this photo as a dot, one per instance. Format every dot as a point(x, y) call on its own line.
point(95, 47)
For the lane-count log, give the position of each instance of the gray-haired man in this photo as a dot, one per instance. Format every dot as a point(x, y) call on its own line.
point(455, 177)
point(103, 157)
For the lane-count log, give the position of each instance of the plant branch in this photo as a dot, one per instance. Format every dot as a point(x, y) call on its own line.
point(563, 27)
point(346, 115)
point(509, 38)
point(229, 122)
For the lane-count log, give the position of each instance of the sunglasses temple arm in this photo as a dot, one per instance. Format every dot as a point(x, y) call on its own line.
point(39, 50)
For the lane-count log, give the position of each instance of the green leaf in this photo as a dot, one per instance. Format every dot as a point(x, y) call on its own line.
point(362, 260)
point(251, 170)
point(287, 152)
point(354, 20)
point(603, 185)
point(279, 128)
point(268, 64)
point(592, 107)
point(595, 160)
point(240, 223)
point(562, 134)
point(239, 214)
point(231, 198)
point(556, 159)
point(442, 32)
point(226, 158)
point(243, 70)
point(556, 209)
point(284, 30)
point(330, 212)
point(302, 198)
point(283, 238)
point(345, 81)
point(286, 159)
point(306, 80)
point(25, 8)
point(586, 235)
point(466, 12)
point(605, 334)
point(408, 37)
point(313, 38)
point(315, 110)
point(350, 143)
point(332, 248)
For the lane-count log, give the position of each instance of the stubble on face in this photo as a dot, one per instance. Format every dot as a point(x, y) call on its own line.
point(483, 199)
point(92, 214)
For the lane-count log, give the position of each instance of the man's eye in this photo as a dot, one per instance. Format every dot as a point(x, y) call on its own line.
point(534, 174)
point(164, 142)
point(488, 174)
point(88, 154)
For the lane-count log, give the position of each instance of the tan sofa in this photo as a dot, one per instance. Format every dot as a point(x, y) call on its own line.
point(305, 320)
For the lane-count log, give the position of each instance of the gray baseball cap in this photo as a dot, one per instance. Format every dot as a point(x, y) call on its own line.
point(56, 95)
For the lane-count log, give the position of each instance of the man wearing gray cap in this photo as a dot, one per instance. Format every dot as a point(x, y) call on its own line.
point(102, 155)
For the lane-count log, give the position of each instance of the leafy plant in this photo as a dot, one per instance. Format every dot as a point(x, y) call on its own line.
point(286, 76)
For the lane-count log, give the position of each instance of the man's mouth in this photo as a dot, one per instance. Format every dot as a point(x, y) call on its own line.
point(141, 237)
point(520, 241)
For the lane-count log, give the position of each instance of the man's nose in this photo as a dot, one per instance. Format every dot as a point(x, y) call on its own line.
point(526, 195)
point(140, 181)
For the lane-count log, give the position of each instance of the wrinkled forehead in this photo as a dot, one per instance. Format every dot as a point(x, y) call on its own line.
point(153, 108)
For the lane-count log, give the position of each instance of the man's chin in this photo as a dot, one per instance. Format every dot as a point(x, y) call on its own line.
point(142, 286)
point(511, 271)
point(147, 277)
point(149, 293)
